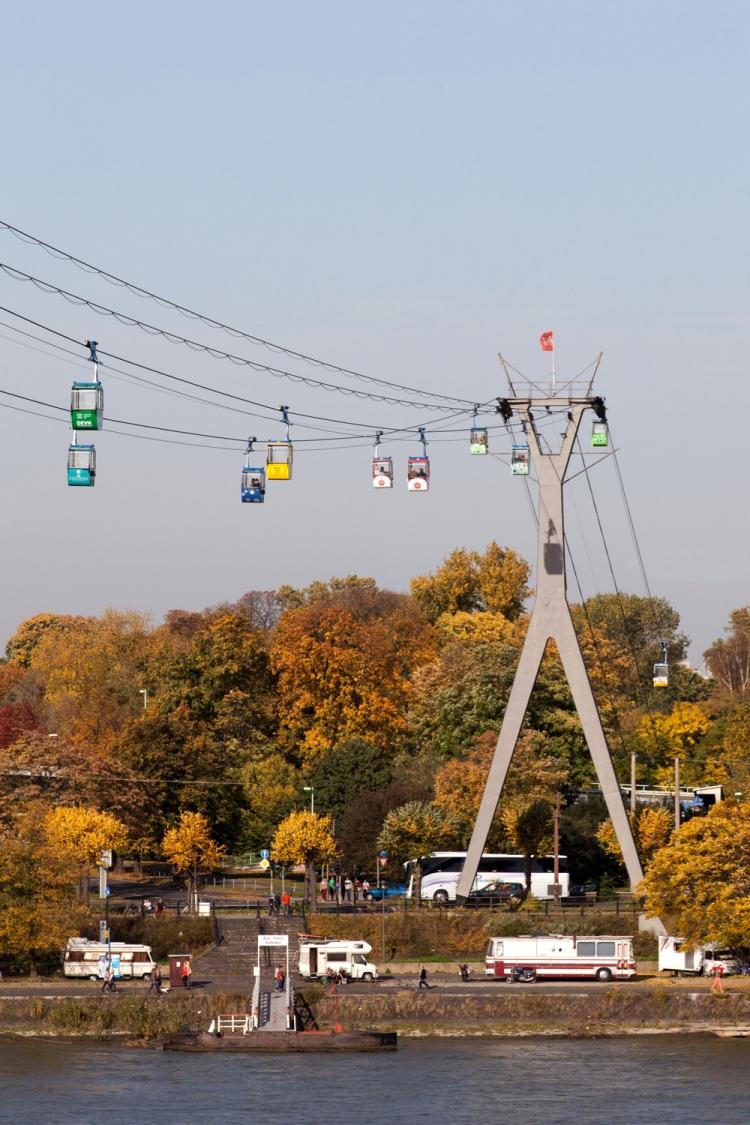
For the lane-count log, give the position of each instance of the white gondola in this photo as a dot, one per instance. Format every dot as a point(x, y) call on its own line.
point(519, 460)
point(382, 472)
point(478, 441)
point(418, 474)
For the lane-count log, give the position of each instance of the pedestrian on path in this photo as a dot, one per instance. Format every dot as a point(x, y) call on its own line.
point(717, 984)
point(423, 979)
point(155, 979)
point(186, 973)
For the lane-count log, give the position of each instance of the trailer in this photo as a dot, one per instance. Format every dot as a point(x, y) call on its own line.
point(699, 960)
point(318, 956)
point(561, 956)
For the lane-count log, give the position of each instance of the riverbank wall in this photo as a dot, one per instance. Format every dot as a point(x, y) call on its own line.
point(613, 1011)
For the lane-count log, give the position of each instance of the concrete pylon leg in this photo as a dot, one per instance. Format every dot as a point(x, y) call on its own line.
point(518, 701)
point(583, 697)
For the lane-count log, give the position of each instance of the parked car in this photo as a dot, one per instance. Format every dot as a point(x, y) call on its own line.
point(386, 890)
point(497, 894)
point(585, 891)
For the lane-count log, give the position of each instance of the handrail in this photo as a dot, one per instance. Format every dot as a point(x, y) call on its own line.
point(255, 1008)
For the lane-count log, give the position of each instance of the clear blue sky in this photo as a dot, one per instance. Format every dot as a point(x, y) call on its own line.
point(405, 189)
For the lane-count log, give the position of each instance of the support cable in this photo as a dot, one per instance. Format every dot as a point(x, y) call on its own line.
point(220, 353)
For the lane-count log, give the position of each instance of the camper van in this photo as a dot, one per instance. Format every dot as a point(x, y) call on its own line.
point(84, 958)
point(318, 955)
point(701, 959)
point(558, 955)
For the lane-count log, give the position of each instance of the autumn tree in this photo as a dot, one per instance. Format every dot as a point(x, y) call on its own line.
point(698, 883)
point(469, 581)
point(413, 831)
point(651, 826)
point(343, 662)
point(728, 659)
point(39, 907)
point(79, 835)
point(22, 645)
point(305, 838)
point(191, 850)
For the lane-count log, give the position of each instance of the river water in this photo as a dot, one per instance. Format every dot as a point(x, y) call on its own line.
point(636, 1081)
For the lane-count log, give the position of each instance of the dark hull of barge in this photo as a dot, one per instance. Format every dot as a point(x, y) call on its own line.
point(283, 1041)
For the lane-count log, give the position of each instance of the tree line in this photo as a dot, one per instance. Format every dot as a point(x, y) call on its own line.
point(385, 706)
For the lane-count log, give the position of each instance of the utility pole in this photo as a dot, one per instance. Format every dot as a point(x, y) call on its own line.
point(676, 793)
point(556, 849)
point(550, 620)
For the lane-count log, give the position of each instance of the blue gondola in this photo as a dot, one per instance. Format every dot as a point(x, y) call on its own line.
point(81, 465)
point(253, 479)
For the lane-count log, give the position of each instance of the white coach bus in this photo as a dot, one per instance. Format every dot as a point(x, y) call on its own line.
point(440, 872)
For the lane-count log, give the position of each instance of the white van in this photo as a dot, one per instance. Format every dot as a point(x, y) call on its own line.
point(84, 958)
point(318, 955)
point(700, 960)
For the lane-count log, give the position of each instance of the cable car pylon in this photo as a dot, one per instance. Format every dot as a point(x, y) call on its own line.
point(550, 620)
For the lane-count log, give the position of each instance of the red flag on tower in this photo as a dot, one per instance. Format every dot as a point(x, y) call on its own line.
point(547, 341)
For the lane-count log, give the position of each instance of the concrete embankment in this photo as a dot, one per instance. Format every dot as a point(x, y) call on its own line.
point(613, 1011)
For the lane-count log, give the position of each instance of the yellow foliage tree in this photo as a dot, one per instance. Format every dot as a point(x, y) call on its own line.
point(496, 581)
point(698, 883)
point(191, 850)
point(651, 828)
point(80, 834)
point(38, 902)
point(306, 838)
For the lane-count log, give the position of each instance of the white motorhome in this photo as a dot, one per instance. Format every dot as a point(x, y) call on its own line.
point(318, 955)
point(84, 958)
point(559, 955)
point(700, 960)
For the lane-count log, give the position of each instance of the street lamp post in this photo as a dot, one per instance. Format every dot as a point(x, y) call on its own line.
point(144, 692)
point(311, 790)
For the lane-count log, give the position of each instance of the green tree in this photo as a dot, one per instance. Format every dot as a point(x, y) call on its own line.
point(344, 771)
point(413, 831)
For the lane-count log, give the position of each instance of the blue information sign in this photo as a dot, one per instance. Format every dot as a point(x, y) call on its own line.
point(264, 853)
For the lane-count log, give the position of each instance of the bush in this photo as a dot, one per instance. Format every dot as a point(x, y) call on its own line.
point(165, 935)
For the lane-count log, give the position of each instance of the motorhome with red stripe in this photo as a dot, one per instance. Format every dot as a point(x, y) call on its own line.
point(562, 956)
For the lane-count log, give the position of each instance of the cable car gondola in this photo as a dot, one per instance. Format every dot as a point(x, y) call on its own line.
point(382, 472)
point(599, 434)
point(418, 469)
point(279, 453)
point(87, 398)
point(81, 465)
point(519, 460)
point(661, 670)
point(253, 479)
point(382, 467)
point(478, 441)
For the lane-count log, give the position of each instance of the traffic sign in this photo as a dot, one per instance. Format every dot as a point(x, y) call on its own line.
point(384, 855)
point(107, 892)
point(264, 864)
point(264, 853)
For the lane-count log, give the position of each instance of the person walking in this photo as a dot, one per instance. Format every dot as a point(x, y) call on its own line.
point(109, 984)
point(155, 980)
point(332, 888)
point(717, 984)
point(286, 902)
point(423, 979)
point(186, 973)
point(324, 888)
